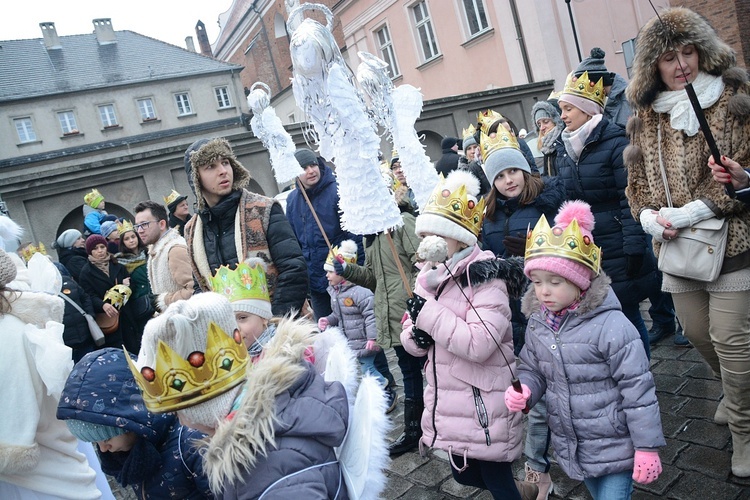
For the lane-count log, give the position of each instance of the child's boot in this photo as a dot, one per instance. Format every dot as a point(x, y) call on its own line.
point(409, 439)
point(528, 491)
point(540, 479)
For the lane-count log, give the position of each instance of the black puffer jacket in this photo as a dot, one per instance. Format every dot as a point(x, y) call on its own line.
point(73, 259)
point(76, 327)
point(599, 178)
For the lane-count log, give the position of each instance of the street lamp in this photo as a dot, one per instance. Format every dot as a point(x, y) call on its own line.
point(575, 35)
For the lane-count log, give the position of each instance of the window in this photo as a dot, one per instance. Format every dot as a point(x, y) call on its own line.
point(183, 104)
point(67, 122)
point(222, 97)
point(146, 107)
point(25, 129)
point(386, 51)
point(475, 16)
point(107, 115)
point(425, 31)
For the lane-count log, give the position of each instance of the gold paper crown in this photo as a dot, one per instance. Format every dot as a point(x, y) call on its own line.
point(118, 295)
point(30, 250)
point(93, 198)
point(394, 154)
point(168, 200)
point(554, 95)
point(245, 282)
point(502, 140)
point(336, 253)
point(582, 87)
point(456, 206)
point(568, 243)
point(486, 118)
point(175, 383)
point(124, 226)
point(468, 132)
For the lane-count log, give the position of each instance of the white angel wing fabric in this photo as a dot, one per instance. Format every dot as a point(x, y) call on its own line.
point(363, 456)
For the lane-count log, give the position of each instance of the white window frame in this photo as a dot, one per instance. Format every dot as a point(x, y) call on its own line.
point(108, 116)
point(387, 53)
point(424, 30)
point(67, 121)
point(223, 100)
point(146, 108)
point(475, 10)
point(182, 100)
point(25, 129)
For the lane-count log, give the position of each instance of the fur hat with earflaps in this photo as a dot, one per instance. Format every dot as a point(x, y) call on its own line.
point(204, 151)
point(678, 26)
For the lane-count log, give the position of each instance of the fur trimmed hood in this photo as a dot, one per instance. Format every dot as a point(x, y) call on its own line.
point(547, 108)
point(240, 442)
point(204, 151)
point(595, 296)
point(678, 26)
point(508, 270)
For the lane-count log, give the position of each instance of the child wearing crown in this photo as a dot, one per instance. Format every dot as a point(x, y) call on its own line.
point(584, 355)
point(459, 318)
point(354, 313)
point(93, 212)
point(272, 425)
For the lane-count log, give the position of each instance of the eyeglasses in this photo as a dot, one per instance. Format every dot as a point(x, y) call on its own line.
point(143, 225)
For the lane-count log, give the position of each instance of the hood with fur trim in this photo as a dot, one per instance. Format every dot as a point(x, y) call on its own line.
point(205, 151)
point(678, 26)
point(241, 442)
point(548, 109)
point(595, 296)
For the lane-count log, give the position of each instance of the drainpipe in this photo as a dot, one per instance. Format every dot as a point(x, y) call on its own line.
point(521, 41)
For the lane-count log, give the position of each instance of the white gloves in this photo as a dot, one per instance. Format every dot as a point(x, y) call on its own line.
point(687, 215)
point(649, 224)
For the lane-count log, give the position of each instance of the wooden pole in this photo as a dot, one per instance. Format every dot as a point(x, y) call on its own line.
point(398, 264)
point(315, 215)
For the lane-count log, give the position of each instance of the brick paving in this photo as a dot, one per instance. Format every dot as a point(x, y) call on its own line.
point(696, 459)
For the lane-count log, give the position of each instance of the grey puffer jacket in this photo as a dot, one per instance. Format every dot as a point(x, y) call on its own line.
point(601, 397)
point(353, 309)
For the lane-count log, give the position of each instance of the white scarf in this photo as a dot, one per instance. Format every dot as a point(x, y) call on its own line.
point(576, 140)
point(677, 103)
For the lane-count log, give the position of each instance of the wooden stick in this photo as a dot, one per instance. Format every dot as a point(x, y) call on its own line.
point(398, 264)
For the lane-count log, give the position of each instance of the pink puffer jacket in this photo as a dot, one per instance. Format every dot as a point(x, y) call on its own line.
point(466, 373)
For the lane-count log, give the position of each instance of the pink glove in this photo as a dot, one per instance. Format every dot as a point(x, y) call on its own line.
point(516, 401)
point(647, 466)
point(372, 346)
point(322, 324)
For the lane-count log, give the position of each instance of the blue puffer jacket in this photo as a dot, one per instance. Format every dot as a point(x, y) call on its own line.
point(164, 462)
point(514, 220)
point(599, 178)
point(324, 197)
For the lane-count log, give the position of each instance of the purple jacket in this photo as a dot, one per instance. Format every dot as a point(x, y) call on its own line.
point(466, 372)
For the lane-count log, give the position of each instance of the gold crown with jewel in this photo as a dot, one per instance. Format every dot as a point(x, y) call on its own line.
point(581, 86)
point(456, 206)
point(124, 226)
point(468, 132)
point(569, 243)
point(31, 249)
point(93, 198)
point(247, 281)
point(175, 383)
point(502, 140)
point(486, 118)
point(171, 198)
point(118, 295)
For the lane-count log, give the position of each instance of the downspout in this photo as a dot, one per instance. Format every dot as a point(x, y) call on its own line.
point(268, 44)
point(521, 41)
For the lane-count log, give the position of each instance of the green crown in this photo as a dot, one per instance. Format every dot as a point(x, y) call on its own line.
point(245, 282)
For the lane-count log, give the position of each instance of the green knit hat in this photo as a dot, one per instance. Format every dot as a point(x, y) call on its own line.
point(92, 433)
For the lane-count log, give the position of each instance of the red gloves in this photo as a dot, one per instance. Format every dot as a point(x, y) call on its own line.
point(647, 466)
point(516, 401)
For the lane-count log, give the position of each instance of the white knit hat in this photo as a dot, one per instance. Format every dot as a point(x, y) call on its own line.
point(346, 251)
point(184, 328)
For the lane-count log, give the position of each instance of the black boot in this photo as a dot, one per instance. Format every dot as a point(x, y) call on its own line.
point(409, 439)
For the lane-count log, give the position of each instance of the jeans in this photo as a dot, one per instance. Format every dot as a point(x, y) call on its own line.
point(496, 477)
point(633, 313)
point(411, 369)
point(662, 309)
point(367, 364)
point(538, 438)
point(320, 303)
point(381, 365)
point(617, 486)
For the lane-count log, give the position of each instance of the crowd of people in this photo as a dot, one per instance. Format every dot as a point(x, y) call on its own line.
point(515, 290)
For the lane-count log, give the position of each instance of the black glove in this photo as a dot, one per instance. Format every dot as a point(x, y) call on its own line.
point(514, 245)
point(633, 265)
point(414, 305)
point(421, 338)
point(338, 266)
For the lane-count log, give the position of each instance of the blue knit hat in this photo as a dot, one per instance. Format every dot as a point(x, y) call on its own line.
point(92, 433)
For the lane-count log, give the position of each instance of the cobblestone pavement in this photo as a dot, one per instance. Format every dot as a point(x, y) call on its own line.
point(696, 459)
